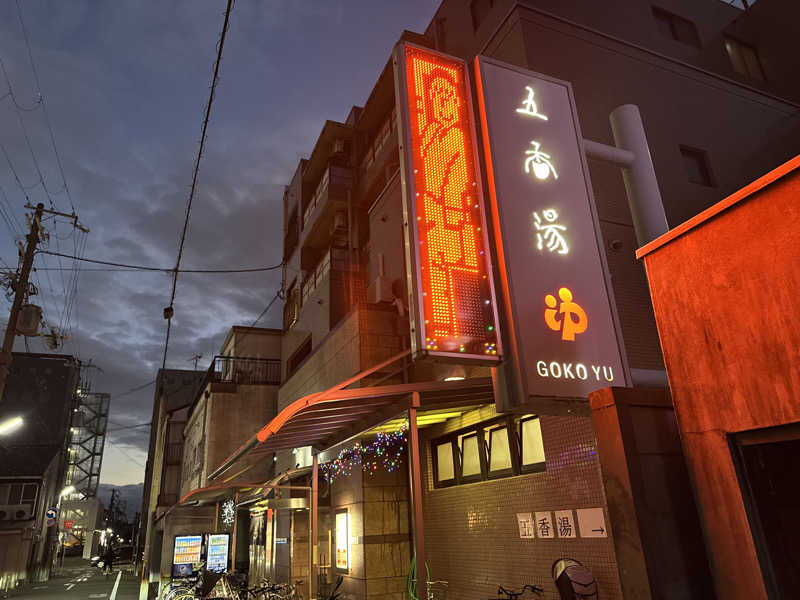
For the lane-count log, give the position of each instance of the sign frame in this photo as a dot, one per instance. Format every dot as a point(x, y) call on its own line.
point(416, 309)
point(209, 546)
point(338, 545)
point(513, 371)
point(174, 546)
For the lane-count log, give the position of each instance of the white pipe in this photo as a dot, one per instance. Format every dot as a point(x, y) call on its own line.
point(609, 154)
point(644, 197)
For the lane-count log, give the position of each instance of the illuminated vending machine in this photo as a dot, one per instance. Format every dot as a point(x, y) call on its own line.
point(217, 551)
point(187, 556)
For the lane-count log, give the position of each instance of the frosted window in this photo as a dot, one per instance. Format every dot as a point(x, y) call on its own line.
point(499, 451)
point(470, 457)
point(444, 462)
point(532, 448)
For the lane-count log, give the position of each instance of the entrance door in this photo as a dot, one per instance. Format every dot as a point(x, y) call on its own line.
point(769, 475)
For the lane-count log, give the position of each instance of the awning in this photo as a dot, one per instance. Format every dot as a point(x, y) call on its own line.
point(324, 419)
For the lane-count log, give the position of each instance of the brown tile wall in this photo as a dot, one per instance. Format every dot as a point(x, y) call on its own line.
point(471, 533)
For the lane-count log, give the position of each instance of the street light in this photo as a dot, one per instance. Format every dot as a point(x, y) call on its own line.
point(10, 425)
point(67, 490)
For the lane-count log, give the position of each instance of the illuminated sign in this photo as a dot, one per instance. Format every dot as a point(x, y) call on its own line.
point(562, 337)
point(447, 250)
point(187, 549)
point(217, 560)
point(343, 540)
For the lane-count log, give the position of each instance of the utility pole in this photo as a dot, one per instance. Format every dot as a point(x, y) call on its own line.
point(20, 290)
point(21, 284)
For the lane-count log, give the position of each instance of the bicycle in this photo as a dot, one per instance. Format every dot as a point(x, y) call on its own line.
point(512, 595)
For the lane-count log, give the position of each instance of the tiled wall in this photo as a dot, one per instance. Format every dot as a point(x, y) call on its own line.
point(471, 532)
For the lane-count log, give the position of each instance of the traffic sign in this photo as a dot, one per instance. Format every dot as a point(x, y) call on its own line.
point(51, 513)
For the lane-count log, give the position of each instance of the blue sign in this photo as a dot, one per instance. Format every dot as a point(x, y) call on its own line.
point(51, 513)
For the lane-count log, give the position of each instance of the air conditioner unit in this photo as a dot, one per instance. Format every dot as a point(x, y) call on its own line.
point(15, 512)
point(380, 290)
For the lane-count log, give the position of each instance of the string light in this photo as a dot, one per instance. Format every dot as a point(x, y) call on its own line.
point(386, 451)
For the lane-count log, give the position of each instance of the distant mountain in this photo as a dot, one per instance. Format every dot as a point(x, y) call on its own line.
point(129, 495)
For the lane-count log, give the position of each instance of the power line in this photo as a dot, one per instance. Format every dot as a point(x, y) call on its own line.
point(70, 290)
point(133, 390)
point(168, 312)
point(128, 456)
point(124, 266)
point(123, 427)
point(44, 106)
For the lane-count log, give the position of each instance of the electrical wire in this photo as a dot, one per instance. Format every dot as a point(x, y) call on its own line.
point(133, 390)
point(214, 80)
point(123, 427)
point(124, 266)
point(121, 451)
point(71, 289)
point(44, 106)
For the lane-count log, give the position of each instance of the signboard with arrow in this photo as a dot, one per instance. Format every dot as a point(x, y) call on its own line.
point(592, 522)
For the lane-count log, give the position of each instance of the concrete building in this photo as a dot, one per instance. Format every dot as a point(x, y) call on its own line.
point(199, 419)
point(711, 83)
point(41, 388)
point(733, 378)
point(175, 391)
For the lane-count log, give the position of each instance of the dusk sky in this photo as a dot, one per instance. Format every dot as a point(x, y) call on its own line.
point(125, 84)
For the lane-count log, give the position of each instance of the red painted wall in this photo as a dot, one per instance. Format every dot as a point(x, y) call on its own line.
point(726, 292)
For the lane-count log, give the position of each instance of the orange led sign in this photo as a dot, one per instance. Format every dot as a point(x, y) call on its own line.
point(451, 289)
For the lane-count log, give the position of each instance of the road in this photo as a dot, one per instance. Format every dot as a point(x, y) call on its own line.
point(79, 581)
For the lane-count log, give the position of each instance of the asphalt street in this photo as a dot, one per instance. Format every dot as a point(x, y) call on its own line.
point(79, 581)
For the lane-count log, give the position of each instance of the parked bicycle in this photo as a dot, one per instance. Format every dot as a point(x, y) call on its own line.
point(507, 594)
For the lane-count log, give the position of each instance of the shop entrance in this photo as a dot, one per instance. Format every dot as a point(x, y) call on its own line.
point(769, 477)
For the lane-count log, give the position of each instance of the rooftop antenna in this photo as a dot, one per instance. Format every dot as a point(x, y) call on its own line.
point(195, 358)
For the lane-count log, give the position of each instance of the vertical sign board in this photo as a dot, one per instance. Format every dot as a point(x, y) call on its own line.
point(342, 526)
point(452, 304)
point(562, 339)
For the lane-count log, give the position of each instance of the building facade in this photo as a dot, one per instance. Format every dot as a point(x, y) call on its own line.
point(34, 459)
point(199, 419)
point(732, 379)
point(489, 498)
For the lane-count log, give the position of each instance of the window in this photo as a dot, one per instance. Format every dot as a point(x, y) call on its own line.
point(744, 59)
point(471, 469)
point(479, 9)
point(502, 447)
point(697, 168)
point(299, 356)
point(29, 493)
point(15, 494)
point(445, 466)
point(676, 28)
point(499, 451)
point(530, 436)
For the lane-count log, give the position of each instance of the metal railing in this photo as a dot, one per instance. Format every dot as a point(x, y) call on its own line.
point(245, 371)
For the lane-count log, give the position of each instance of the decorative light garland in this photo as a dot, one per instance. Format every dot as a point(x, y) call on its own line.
point(228, 515)
point(386, 450)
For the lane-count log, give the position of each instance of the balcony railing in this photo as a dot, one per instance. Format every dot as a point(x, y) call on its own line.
point(245, 371)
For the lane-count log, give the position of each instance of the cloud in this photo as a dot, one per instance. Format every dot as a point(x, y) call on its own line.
point(126, 84)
